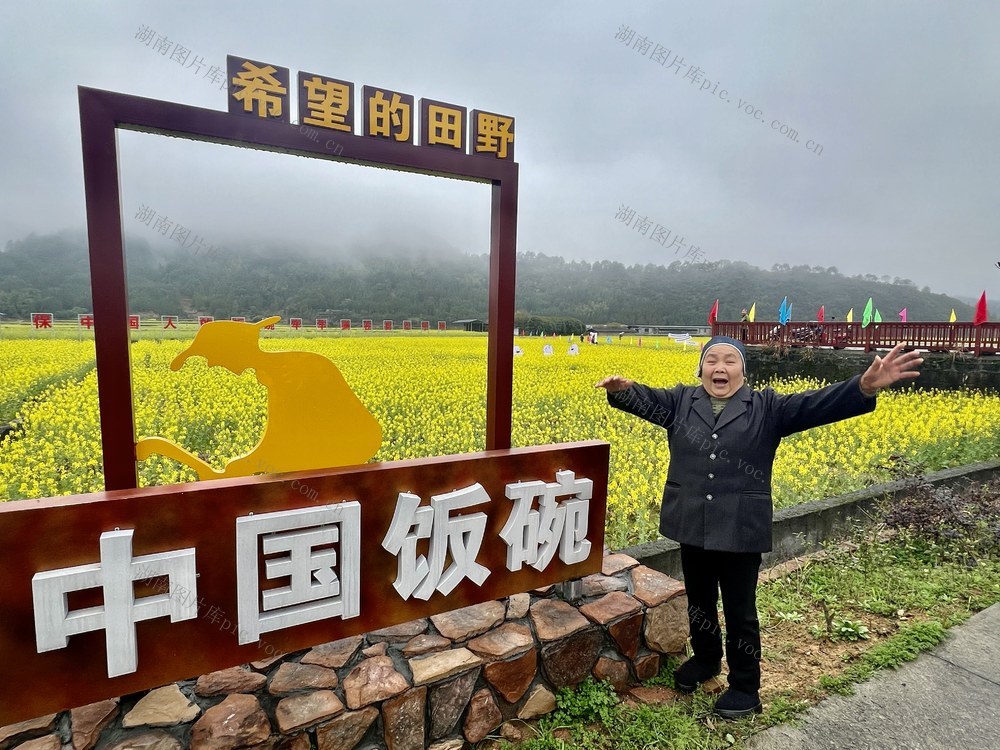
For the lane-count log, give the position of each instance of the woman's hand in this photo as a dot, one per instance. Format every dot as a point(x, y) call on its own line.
point(896, 365)
point(614, 384)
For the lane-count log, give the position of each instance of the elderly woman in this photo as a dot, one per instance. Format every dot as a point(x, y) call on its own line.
point(717, 500)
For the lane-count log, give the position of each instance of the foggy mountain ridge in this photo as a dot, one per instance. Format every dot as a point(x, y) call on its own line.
point(50, 273)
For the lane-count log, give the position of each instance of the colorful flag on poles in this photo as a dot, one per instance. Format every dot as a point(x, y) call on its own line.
point(953, 317)
point(850, 315)
point(753, 312)
point(878, 316)
point(981, 314)
point(902, 315)
point(783, 311)
point(713, 314)
point(821, 315)
point(866, 318)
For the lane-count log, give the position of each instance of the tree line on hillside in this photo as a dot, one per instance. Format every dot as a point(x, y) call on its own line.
point(50, 273)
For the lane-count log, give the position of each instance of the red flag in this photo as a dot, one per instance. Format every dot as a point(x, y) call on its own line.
point(981, 314)
point(821, 315)
point(713, 314)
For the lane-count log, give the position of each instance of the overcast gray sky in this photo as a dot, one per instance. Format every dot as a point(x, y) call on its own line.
point(895, 171)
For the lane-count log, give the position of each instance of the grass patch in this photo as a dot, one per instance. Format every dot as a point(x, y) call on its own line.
point(665, 678)
point(905, 646)
point(781, 709)
point(670, 726)
point(591, 701)
point(667, 727)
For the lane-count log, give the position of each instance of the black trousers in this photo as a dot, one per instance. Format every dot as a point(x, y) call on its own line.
point(706, 572)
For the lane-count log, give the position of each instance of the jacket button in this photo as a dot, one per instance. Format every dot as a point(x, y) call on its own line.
point(708, 497)
point(711, 456)
point(715, 436)
point(711, 476)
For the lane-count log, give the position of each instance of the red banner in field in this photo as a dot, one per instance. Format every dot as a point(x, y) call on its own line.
point(122, 591)
point(366, 325)
point(386, 325)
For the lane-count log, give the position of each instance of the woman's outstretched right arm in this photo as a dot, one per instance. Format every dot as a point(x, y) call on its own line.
point(655, 405)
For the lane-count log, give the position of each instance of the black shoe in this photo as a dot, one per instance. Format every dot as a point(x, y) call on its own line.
point(689, 675)
point(735, 704)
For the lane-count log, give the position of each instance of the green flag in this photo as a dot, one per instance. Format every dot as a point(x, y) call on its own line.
point(878, 316)
point(866, 319)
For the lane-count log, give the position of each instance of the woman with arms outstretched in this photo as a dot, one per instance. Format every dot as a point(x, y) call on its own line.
point(717, 499)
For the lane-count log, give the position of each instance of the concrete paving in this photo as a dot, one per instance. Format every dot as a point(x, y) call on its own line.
point(947, 698)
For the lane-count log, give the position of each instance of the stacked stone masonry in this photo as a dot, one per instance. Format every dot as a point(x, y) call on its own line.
point(444, 682)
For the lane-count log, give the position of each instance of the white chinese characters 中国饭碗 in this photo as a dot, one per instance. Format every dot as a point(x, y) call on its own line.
point(115, 574)
point(532, 536)
point(462, 535)
point(315, 592)
point(322, 564)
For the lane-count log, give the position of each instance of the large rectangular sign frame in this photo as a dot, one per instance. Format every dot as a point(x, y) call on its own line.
point(103, 113)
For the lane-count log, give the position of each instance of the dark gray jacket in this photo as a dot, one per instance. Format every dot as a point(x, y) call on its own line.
point(718, 491)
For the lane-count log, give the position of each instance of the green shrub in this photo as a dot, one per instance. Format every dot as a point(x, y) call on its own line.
point(591, 701)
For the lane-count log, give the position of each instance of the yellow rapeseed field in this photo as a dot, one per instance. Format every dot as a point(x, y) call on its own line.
point(429, 394)
point(29, 365)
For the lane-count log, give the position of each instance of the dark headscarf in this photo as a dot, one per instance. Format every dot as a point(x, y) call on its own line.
point(715, 341)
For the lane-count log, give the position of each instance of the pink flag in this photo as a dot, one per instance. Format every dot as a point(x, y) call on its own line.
point(902, 315)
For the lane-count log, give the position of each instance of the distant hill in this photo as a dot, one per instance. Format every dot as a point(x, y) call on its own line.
point(49, 273)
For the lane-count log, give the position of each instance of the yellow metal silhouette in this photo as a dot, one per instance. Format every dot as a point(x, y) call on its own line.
point(314, 420)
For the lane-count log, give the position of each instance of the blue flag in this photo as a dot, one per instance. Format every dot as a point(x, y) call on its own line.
point(783, 311)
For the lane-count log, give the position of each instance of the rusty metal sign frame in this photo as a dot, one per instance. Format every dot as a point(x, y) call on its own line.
point(103, 113)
